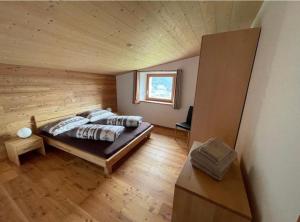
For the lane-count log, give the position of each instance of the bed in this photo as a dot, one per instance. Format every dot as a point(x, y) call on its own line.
point(101, 153)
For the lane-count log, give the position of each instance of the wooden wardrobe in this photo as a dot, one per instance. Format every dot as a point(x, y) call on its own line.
point(226, 61)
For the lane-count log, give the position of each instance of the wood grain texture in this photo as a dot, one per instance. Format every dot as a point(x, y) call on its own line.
point(200, 210)
point(62, 187)
point(216, 201)
point(111, 37)
point(48, 93)
point(225, 67)
point(18, 146)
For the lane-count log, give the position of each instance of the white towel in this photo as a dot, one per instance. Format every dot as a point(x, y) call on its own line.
point(210, 164)
point(213, 157)
point(215, 150)
point(217, 176)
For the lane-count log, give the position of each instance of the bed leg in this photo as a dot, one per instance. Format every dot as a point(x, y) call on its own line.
point(148, 136)
point(107, 170)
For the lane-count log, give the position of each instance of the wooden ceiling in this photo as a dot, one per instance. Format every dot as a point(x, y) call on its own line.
point(112, 37)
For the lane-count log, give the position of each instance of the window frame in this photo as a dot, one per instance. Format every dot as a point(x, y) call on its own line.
point(151, 99)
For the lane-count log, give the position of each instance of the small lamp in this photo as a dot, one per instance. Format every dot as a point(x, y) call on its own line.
point(24, 132)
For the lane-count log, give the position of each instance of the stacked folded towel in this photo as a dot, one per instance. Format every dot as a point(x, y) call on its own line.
point(213, 157)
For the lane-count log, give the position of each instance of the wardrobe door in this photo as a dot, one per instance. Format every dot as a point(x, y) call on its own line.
point(225, 66)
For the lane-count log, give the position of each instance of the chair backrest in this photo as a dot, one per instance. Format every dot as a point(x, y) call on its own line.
point(189, 115)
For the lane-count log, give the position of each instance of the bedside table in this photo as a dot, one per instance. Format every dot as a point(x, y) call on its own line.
point(18, 146)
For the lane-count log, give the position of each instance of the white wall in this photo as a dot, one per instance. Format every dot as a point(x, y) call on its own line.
point(268, 140)
point(160, 114)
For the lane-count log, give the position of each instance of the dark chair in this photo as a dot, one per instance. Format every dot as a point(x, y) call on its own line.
point(187, 124)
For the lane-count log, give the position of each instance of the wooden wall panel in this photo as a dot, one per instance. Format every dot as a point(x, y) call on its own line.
point(48, 93)
point(226, 61)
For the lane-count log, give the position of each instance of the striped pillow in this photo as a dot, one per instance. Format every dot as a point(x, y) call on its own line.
point(127, 121)
point(64, 125)
point(97, 132)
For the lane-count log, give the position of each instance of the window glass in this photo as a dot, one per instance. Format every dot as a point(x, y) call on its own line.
point(160, 87)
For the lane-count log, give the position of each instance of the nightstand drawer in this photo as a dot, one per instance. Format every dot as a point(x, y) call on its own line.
point(33, 146)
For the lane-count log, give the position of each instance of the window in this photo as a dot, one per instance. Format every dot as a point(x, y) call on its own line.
point(160, 87)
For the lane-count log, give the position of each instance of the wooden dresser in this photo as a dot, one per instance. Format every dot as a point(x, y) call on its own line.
point(199, 198)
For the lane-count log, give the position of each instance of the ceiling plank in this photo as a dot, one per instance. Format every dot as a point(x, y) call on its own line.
point(208, 16)
point(112, 37)
point(242, 13)
point(223, 13)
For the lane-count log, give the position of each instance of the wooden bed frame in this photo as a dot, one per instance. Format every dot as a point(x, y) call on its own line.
point(105, 163)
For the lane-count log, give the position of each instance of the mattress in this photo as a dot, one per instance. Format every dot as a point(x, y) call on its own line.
point(102, 149)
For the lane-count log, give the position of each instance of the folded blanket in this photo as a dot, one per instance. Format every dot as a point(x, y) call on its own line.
point(97, 132)
point(127, 121)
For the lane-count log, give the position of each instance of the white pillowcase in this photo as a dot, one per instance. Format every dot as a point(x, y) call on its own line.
point(96, 114)
point(64, 125)
point(103, 114)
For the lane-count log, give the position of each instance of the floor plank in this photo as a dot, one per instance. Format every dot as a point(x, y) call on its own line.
point(62, 187)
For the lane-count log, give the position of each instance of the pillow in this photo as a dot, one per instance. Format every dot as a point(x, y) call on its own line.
point(87, 113)
point(96, 114)
point(96, 132)
point(127, 121)
point(64, 125)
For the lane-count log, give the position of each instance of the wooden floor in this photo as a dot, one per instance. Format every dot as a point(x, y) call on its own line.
point(61, 187)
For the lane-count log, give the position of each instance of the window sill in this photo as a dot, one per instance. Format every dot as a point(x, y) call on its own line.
point(157, 102)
